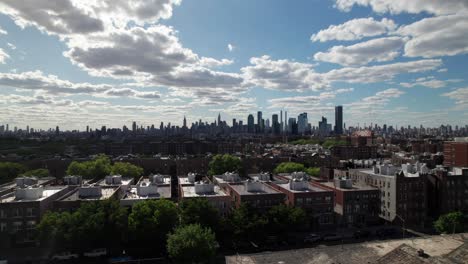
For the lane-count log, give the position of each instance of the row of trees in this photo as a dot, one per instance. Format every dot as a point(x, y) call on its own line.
point(288, 167)
point(189, 232)
point(11, 170)
point(102, 166)
point(328, 143)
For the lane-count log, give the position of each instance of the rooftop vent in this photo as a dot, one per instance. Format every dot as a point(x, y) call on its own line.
point(254, 186)
point(191, 177)
point(29, 193)
point(204, 188)
point(25, 181)
point(90, 191)
point(72, 180)
point(146, 189)
point(157, 178)
point(231, 177)
point(298, 184)
point(113, 179)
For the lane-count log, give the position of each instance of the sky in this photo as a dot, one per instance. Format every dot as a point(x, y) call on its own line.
point(75, 63)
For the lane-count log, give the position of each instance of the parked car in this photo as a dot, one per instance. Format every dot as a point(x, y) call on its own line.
point(332, 237)
point(98, 252)
point(66, 255)
point(311, 238)
point(361, 234)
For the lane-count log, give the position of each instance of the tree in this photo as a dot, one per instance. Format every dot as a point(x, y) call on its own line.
point(246, 224)
point(313, 171)
point(199, 211)
point(282, 218)
point(10, 170)
point(192, 244)
point(94, 224)
point(97, 168)
point(450, 223)
point(127, 170)
point(288, 167)
point(220, 164)
point(333, 142)
point(40, 173)
point(150, 221)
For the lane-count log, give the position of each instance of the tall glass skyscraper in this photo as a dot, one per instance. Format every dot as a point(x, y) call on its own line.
point(339, 120)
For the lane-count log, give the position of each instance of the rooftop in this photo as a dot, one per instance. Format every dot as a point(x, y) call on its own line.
point(48, 191)
point(447, 247)
point(310, 188)
point(189, 191)
point(242, 190)
point(353, 189)
point(106, 193)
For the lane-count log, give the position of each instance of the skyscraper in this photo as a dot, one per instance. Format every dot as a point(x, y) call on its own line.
point(134, 127)
point(275, 124)
point(219, 119)
point(259, 121)
point(185, 122)
point(339, 120)
point(250, 124)
point(302, 122)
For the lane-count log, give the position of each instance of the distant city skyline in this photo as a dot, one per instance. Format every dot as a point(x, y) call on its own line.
point(81, 63)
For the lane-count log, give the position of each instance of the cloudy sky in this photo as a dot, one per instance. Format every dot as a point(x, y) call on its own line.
point(108, 62)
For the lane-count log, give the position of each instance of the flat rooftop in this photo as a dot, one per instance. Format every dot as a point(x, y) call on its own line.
point(125, 181)
point(240, 189)
point(189, 191)
point(184, 181)
point(353, 189)
point(48, 191)
point(106, 193)
point(310, 188)
point(163, 192)
point(441, 246)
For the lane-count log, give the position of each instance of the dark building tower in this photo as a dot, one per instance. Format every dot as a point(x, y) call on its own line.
point(185, 122)
point(250, 124)
point(275, 124)
point(87, 129)
point(339, 120)
point(259, 121)
point(134, 127)
point(57, 130)
point(219, 119)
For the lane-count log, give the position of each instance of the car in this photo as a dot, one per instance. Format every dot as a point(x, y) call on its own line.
point(361, 233)
point(332, 237)
point(311, 238)
point(98, 252)
point(66, 255)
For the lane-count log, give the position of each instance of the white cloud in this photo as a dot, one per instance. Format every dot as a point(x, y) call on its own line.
point(3, 32)
point(429, 82)
point(437, 36)
point(305, 103)
point(355, 29)
point(127, 92)
point(460, 96)
point(437, 7)
point(375, 50)
point(3, 56)
point(213, 63)
point(230, 47)
point(295, 76)
point(11, 46)
point(443, 70)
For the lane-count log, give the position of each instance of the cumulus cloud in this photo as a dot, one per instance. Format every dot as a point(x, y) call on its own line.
point(437, 36)
point(375, 50)
point(3, 56)
point(354, 29)
point(127, 92)
point(404, 6)
point(230, 47)
point(460, 96)
point(304, 103)
point(295, 76)
point(429, 82)
point(3, 32)
point(11, 46)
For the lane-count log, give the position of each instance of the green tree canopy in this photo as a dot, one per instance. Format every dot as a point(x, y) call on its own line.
point(150, 221)
point(449, 223)
point(99, 167)
point(94, 224)
point(282, 218)
point(246, 224)
point(10, 170)
point(288, 167)
point(40, 173)
point(192, 244)
point(220, 164)
point(333, 142)
point(199, 211)
point(127, 170)
point(313, 171)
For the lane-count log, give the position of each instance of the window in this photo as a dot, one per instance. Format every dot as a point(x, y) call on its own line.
point(3, 227)
point(31, 224)
point(327, 198)
point(17, 226)
point(3, 213)
point(299, 201)
point(17, 212)
point(29, 211)
point(308, 200)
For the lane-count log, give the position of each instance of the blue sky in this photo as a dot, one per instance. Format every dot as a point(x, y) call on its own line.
point(76, 63)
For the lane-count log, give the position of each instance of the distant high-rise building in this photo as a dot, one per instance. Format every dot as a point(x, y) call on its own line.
point(259, 121)
point(323, 127)
point(134, 127)
point(250, 124)
point(185, 122)
point(87, 129)
point(27, 129)
point(339, 120)
point(302, 122)
point(57, 130)
point(219, 119)
point(7, 128)
point(275, 124)
point(292, 126)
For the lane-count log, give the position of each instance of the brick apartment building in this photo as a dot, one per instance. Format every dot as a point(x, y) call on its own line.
point(258, 194)
point(456, 153)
